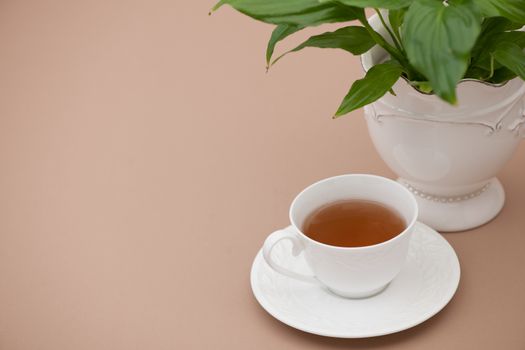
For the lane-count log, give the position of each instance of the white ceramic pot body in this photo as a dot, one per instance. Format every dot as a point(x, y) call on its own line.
point(448, 156)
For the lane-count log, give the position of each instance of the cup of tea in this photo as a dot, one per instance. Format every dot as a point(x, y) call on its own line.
point(354, 231)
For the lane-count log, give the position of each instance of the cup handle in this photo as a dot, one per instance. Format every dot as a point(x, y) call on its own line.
point(280, 235)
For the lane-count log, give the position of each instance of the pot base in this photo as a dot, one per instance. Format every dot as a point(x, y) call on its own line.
point(462, 215)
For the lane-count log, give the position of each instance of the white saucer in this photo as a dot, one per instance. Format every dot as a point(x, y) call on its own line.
point(424, 286)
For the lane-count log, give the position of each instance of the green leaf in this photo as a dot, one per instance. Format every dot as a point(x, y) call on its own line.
point(356, 40)
point(477, 73)
point(292, 15)
point(294, 12)
point(423, 86)
point(331, 13)
point(494, 25)
point(384, 4)
point(511, 9)
point(482, 57)
point(376, 83)
point(438, 39)
point(270, 7)
point(279, 33)
point(511, 56)
point(490, 28)
point(517, 38)
point(502, 75)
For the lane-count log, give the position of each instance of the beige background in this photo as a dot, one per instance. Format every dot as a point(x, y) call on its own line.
point(145, 155)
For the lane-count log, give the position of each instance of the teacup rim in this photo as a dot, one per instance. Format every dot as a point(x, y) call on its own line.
point(408, 228)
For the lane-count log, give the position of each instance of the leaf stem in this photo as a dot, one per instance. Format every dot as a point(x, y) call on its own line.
point(392, 35)
point(491, 68)
point(397, 34)
point(394, 52)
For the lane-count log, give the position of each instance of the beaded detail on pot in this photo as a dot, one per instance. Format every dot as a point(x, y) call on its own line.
point(445, 199)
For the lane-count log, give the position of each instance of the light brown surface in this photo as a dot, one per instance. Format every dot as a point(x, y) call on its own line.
point(145, 156)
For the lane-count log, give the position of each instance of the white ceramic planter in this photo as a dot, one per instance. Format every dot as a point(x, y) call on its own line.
point(448, 156)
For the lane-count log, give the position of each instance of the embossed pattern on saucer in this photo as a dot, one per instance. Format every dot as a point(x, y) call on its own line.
point(424, 286)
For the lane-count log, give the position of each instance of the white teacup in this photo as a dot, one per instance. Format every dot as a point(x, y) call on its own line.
point(352, 272)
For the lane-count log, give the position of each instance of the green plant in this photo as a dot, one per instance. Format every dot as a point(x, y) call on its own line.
point(431, 43)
